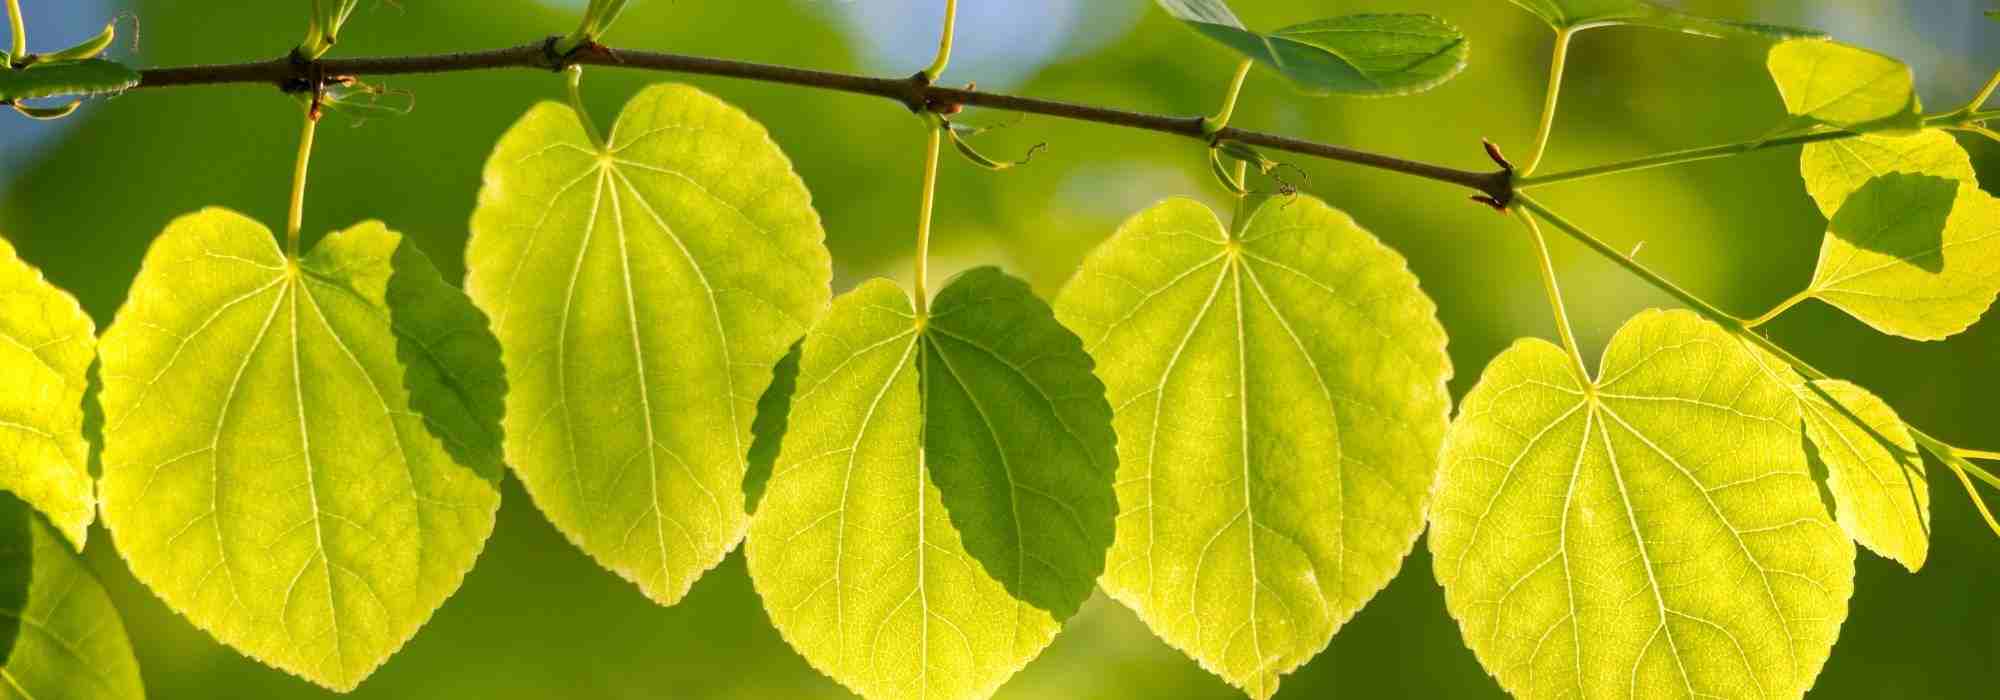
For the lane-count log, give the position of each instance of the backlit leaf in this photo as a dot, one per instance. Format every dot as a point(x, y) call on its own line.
point(301, 456)
point(94, 76)
point(1281, 403)
point(1844, 86)
point(1581, 14)
point(1366, 55)
point(943, 499)
point(1657, 533)
point(60, 639)
point(1912, 255)
point(1835, 169)
point(46, 345)
point(642, 293)
point(1873, 469)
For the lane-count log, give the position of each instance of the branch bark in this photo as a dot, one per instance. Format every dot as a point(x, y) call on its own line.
point(288, 73)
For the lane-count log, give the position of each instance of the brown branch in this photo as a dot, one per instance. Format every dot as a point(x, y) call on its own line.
point(289, 74)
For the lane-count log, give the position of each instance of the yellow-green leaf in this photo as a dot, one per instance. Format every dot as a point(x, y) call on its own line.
point(1912, 255)
point(46, 345)
point(1281, 402)
point(60, 639)
point(1844, 86)
point(1835, 169)
point(1873, 469)
point(642, 292)
point(943, 499)
point(1655, 532)
point(301, 456)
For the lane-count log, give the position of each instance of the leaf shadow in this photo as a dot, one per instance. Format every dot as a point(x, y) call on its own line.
point(1018, 440)
point(767, 432)
point(17, 560)
point(1902, 215)
point(451, 362)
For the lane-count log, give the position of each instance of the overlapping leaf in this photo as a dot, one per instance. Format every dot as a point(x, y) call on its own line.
point(1874, 471)
point(1281, 403)
point(943, 498)
point(301, 456)
point(46, 345)
point(60, 639)
point(1579, 14)
point(1370, 55)
point(1912, 255)
point(1845, 86)
point(83, 78)
point(1656, 532)
point(1835, 169)
point(642, 292)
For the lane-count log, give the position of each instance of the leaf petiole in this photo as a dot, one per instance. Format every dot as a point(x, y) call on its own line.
point(1214, 124)
point(1549, 101)
point(19, 28)
point(576, 103)
point(937, 66)
point(1554, 291)
point(295, 221)
point(1778, 310)
point(920, 281)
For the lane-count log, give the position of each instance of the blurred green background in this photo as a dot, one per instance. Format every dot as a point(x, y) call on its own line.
point(82, 199)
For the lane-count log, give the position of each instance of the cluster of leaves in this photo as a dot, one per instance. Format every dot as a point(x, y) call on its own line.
point(1237, 428)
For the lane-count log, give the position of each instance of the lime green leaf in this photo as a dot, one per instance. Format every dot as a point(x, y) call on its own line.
point(1873, 469)
point(60, 639)
point(642, 293)
point(1835, 169)
point(943, 500)
point(302, 457)
point(1912, 255)
point(1583, 14)
point(1282, 400)
point(66, 79)
point(46, 346)
point(1845, 86)
point(1364, 55)
point(1656, 533)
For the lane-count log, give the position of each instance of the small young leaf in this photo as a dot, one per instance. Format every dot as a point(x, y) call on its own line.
point(301, 456)
point(1845, 86)
point(1912, 255)
point(66, 79)
point(1361, 55)
point(642, 293)
point(1835, 169)
point(60, 639)
point(1579, 14)
point(1873, 469)
point(1282, 402)
point(46, 345)
point(943, 499)
point(1656, 533)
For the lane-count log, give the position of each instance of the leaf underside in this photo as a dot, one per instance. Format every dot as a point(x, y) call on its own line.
point(46, 346)
point(1571, 14)
point(1833, 170)
point(1281, 403)
point(1844, 86)
point(1360, 55)
point(60, 638)
point(82, 78)
point(943, 498)
point(1658, 533)
point(1912, 255)
point(642, 293)
point(1872, 468)
point(301, 457)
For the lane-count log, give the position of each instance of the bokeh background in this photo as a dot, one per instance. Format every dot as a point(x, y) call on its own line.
point(82, 198)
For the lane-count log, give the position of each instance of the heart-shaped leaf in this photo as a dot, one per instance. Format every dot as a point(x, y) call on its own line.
point(1912, 255)
point(1835, 169)
point(1655, 532)
point(1873, 469)
point(60, 639)
point(1281, 402)
point(943, 500)
point(642, 292)
point(301, 456)
point(46, 345)
point(1845, 86)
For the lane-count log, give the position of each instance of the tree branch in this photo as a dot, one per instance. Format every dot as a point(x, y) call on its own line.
point(915, 93)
